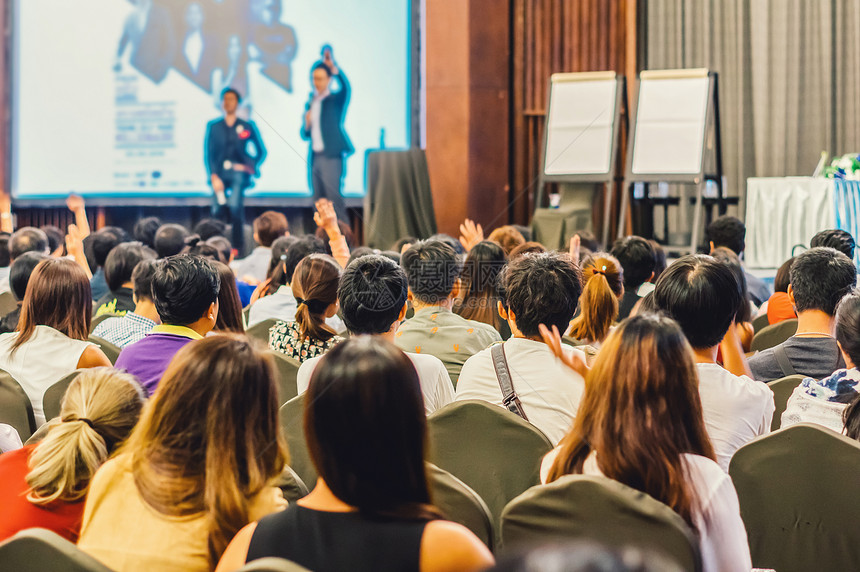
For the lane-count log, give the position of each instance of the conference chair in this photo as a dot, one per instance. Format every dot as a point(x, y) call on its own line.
point(287, 369)
point(15, 407)
point(459, 503)
point(8, 303)
point(292, 485)
point(292, 424)
point(99, 319)
point(773, 335)
point(782, 389)
point(597, 509)
point(272, 564)
point(110, 350)
point(54, 395)
point(38, 549)
point(246, 311)
point(489, 448)
point(260, 330)
point(760, 323)
point(797, 489)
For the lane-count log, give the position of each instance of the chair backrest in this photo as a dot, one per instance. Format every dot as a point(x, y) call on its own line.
point(7, 303)
point(38, 549)
point(99, 319)
point(110, 350)
point(773, 335)
point(489, 448)
point(272, 564)
point(760, 323)
point(292, 414)
point(54, 395)
point(260, 330)
point(246, 311)
point(579, 507)
point(782, 389)
point(459, 503)
point(292, 485)
point(287, 369)
point(797, 492)
point(15, 407)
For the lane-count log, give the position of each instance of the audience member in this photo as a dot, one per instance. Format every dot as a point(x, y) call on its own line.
point(268, 227)
point(730, 232)
point(479, 293)
point(598, 305)
point(27, 239)
point(588, 242)
point(371, 507)
point(835, 238)
point(44, 484)
point(209, 227)
point(196, 468)
point(636, 256)
point(536, 289)
point(641, 424)
point(523, 230)
point(659, 267)
point(51, 338)
point(185, 292)
point(145, 229)
point(101, 244)
point(196, 247)
point(743, 318)
point(526, 248)
point(779, 307)
point(125, 330)
point(118, 268)
point(22, 269)
point(508, 237)
point(372, 296)
point(824, 401)
point(433, 270)
point(5, 261)
point(56, 240)
point(225, 249)
point(314, 287)
point(229, 307)
point(170, 240)
point(455, 244)
point(820, 277)
point(403, 243)
point(704, 296)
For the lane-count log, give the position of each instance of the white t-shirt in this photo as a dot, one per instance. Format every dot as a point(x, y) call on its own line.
point(435, 383)
point(549, 391)
point(723, 537)
point(736, 409)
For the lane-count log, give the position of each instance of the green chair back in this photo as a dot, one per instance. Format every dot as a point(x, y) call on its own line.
point(38, 549)
point(8, 303)
point(597, 509)
point(110, 350)
point(782, 389)
point(292, 485)
point(292, 415)
point(54, 395)
point(459, 503)
point(287, 369)
point(796, 489)
point(760, 323)
point(260, 331)
point(773, 335)
point(15, 407)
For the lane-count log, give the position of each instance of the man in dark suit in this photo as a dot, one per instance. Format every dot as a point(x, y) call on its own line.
point(149, 32)
point(323, 127)
point(234, 152)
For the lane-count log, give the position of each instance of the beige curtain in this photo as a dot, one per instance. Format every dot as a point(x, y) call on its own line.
point(789, 73)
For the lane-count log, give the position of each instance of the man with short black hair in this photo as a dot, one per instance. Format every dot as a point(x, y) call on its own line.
point(27, 239)
point(703, 296)
point(100, 244)
point(185, 291)
point(835, 238)
point(19, 276)
point(730, 232)
point(268, 227)
point(433, 271)
point(820, 277)
point(372, 296)
point(125, 330)
point(535, 289)
point(209, 227)
point(145, 229)
point(118, 268)
point(636, 256)
point(170, 240)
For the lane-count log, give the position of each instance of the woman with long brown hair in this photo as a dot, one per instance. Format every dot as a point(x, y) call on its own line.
point(603, 287)
point(367, 436)
point(196, 469)
point(229, 317)
point(640, 423)
point(51, 340)
point(314, 285)
point(479, 292)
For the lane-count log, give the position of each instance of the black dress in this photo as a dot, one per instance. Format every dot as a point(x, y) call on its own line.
point(335, 541)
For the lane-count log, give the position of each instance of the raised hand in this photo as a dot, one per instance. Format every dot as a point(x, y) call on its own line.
point(326, 217)
point(470, 234)
point(575, 242)
point(75, 203)
point(571, 359)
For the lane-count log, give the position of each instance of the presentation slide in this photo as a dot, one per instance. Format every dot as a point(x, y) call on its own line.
point(112, 97)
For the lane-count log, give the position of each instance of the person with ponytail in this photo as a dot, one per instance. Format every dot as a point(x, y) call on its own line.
point(314, 284)
point(44, 485)
point(603, 287)
point(198, 466)
point(640, 423)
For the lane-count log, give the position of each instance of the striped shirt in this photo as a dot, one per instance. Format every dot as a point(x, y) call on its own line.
point(124, 330)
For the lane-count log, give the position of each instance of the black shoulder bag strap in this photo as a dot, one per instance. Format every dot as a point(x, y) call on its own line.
point(510, 399)
point(783, 361)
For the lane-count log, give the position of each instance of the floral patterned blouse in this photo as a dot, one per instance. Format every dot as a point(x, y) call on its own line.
point(285, 337)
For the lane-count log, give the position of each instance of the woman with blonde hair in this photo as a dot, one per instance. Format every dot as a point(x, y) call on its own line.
point(197, 468)
point(640, 423)
point(44, 485)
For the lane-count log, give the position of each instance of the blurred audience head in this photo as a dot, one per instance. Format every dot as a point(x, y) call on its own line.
point(728, 231)
point(185, 290)
point(28, 239)
point(820, 277)
point(835, 238)
point(170, 240)
point(121, 262)
point(636, 256)
point(372, 294)
point(21, 270)
point(145, 229)
point(270, 226)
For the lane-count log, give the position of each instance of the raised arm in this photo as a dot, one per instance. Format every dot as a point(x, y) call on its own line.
point(326, 218)
point(77, 205)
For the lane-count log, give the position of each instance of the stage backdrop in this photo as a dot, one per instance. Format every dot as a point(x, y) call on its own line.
point(112, 97)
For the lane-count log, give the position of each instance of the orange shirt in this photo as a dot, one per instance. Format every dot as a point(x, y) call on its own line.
point(779, 308)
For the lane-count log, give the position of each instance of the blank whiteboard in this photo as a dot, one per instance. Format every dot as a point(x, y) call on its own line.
point(580, 123)
point(671, 118)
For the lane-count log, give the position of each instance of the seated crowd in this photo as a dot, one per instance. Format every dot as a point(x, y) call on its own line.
point(172, 458)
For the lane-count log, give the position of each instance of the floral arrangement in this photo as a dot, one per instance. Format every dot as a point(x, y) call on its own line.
point(844, 167)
